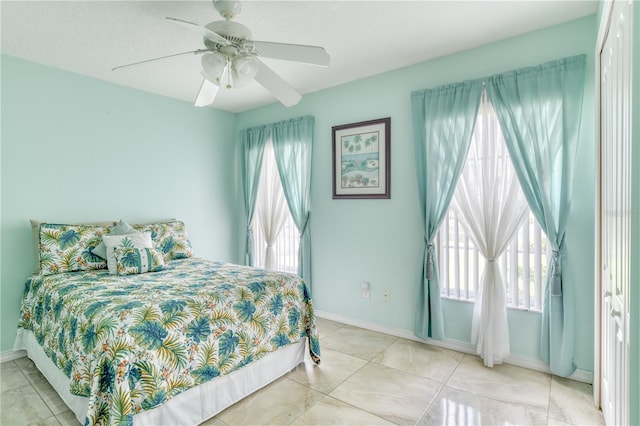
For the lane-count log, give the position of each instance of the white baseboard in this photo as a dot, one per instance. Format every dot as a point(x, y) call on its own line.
point(11, 355)
point(455, 345)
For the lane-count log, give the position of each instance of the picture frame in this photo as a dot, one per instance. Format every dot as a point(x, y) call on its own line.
point(362, 159)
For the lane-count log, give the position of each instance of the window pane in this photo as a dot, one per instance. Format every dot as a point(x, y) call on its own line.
point(287, 243)
point(523, 264)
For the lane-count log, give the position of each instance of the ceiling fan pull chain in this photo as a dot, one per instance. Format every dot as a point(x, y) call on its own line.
point(228, 74)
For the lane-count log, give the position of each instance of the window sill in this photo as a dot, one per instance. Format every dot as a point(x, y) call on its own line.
point(514, 308)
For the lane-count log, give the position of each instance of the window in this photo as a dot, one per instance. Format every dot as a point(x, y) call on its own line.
point(524, 262)
point(272, 220)
point(286, 247)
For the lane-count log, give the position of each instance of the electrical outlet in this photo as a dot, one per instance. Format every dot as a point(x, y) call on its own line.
point(366, 290)
point(386, 295)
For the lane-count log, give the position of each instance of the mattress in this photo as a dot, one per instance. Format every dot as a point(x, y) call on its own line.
point(191, 407)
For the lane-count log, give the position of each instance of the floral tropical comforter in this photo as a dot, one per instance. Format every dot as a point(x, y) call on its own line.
point(130, 343)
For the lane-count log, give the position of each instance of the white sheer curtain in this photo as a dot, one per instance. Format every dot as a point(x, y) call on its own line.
point(271, 209)
point(490, 204)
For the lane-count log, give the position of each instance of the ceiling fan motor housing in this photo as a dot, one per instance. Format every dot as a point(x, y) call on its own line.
point(236, 33)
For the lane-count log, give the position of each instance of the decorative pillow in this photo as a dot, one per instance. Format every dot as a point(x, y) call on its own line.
point(170, 238)
point(137, 240)
point(131, 260)
point(67, 248)
point(35, 232)
point(122, 228)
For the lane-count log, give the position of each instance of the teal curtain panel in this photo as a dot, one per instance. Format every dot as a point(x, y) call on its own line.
point(540, 110)
point(443, 121)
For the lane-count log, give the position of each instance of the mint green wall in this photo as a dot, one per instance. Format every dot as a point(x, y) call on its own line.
point(78, 149)
point(47, 111)
point(381, 241)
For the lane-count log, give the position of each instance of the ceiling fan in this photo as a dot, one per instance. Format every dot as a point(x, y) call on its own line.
point(230, 57)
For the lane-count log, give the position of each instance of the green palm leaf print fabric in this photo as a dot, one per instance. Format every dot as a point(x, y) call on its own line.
point(131, 260)
point(129, 343)
point(67, 248)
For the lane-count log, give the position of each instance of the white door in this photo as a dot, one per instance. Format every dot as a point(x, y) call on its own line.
point(615, 211)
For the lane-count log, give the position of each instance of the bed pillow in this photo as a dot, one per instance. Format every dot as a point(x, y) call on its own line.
point(35, 232)
point(122, 228)
point(137, 240)
point(170, 238)
point(130, 260)
point(67, 248)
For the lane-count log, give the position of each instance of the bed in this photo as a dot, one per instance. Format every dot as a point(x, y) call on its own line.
point(165, 337)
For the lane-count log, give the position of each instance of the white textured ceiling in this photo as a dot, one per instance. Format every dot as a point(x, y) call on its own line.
point(363, 38)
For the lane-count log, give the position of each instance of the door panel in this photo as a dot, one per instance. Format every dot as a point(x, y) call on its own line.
point(615, 213)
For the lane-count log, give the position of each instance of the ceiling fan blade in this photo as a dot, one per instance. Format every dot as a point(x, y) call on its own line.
point(205, 32)
point(313, 55)
point(207, 94)
point(195, 52)
point(275, 85)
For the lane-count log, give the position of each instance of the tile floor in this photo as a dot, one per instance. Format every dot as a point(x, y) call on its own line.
point(366, 378)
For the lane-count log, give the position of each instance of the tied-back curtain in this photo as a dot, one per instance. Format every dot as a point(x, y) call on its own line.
point(292, 144)
point(271, 210)
point(443, 122)
point(540, 111)
point(253, 141)
point(491, 206)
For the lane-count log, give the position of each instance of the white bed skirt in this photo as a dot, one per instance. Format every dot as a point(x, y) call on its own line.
point(191, 407)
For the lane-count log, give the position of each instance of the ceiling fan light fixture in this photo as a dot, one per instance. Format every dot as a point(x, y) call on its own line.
point(213, 65)
point(243, 70)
